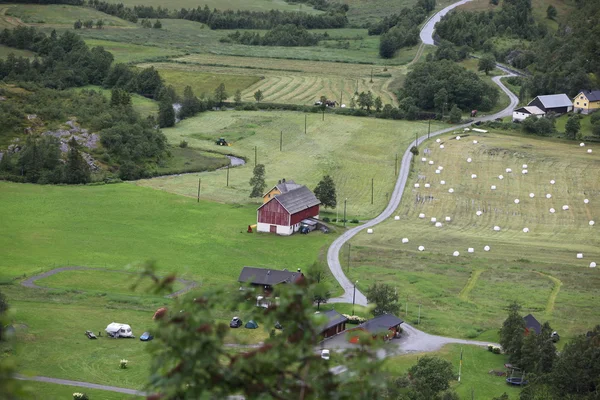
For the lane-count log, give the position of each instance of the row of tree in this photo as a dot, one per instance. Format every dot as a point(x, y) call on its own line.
point(281, 35)
point(335, 17)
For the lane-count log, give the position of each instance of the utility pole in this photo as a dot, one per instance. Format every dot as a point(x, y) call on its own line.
point(371, 74)
point(305, 124)
point(460, 365)
point(349, 247)
point(255, 157)
point(281, 141)
point(345, 200)
point(372, 189)
point(228, 176)
point(341, 96)
point(406, 311)
point(354, 297)
point(199, 181)
point(416, 139)
point(429, 129)
point(396, 165)
point(419, 318)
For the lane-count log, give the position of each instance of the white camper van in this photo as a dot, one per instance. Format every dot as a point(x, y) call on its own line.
point(116, 330)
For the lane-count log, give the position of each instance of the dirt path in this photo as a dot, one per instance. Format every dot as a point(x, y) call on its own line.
point(552, 298)
point(85, 385)
point(30, 282)
point(464, 293)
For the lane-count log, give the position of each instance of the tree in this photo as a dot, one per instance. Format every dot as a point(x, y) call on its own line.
point(430, 376)
point(440, 100)
point(487, 63)
point(258, 181)
point(120, 98)
point(190, 105)
point(157, 25)
point(325, 192)
point(385, 299)
point(572, 127)
point(166, 114)
point(88, 24)
point(258, 95)
point(191, 360)
point(220, 94)
point(78, 24)
point(100, 24)
point(511, 333)
point(237, 98)
point(320, 293)
point(365, 100)
point(77, 170)
point(551, 12)
point(377, 103)
point(352, 103)
point(596, 130)
point(455, 115)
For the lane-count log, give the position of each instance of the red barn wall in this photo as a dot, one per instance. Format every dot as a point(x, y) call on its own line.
point(273, 213)
point(308, 213)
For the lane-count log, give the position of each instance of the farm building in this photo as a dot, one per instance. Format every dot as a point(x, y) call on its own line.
point(556, 103)
point(587, 101)
point(285, 207)
point(268, 278)
point(336, 323)
point(386, 326)
point(532, 325)
point(520, 114)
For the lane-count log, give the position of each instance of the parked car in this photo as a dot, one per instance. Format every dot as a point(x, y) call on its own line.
point(236, 322)
point(146, 337)
point(325, 354)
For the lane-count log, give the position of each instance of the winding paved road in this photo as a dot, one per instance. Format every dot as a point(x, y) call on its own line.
point(333, 254)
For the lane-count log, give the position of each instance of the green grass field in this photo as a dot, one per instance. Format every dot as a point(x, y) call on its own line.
point(49, 391)
point(254, 5)
point(466, 295)
point(141, 104)
point(128, 53)
point(339, 146)
point(475, 379)
point(5, 51)
point(61, 16)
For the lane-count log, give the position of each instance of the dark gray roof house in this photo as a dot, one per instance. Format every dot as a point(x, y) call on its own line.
point(381, 323)
point(333, 318)
point(268, 277)
point(556, 103)
point(532, 324)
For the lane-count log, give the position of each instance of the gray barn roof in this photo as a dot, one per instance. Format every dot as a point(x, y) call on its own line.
point(555, 100)
point(381, 323)
point(592, 95)
point(265, 276)
point(287, 186)
point(298, 199)
point(333, 318)
point(532, 323)
point(530, 110)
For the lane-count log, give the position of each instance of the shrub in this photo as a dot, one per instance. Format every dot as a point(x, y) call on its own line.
point(80, 396)
point(354, 319)
point(354, 221)
point(496, 350)
point(123, 364)
point(183, 144)
point(490, 347)
point(326, 219)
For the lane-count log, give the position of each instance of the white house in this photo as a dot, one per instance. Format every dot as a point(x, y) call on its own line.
point(520, 114)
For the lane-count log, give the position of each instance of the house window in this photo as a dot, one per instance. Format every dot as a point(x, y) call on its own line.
point(577, 103)
point(581, 98)
point(585, 104)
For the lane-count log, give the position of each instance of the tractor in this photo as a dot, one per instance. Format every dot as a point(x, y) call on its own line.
point(222, 142)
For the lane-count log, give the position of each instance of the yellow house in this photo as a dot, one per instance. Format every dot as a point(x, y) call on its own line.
point(587, 101)
point(281, 187)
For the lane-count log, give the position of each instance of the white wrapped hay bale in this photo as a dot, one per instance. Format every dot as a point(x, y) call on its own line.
point(592, 265)
point(437, 171)
point(473, 176)
point(500, 177)
point(448, 219)
point(442, 182)
point(508, 170)
point(517, 201)
point(579, 255)
point(427, 185)
point(497, 228)
point(421, 215)
point(438, 224)
point(456, 254)
point(440, 168)
point(450, 190)
point(430, 162)
point(369, 231)
point(552, 182)
point(441, 146)
point(405, 240)
point(438, 140)
point(423, 159)
point(525, 230)
point(486, 248)
point(478, 213)
point(590, 151)
point(565, 208)
point(592, 223)
point(524, 166)
point(433, 219)
point(586, 201)
point(582, 144)
point(532, 195)
point(471, 250)
point(469, 159)
point(458, 138)
point(524, 172)
point(552, 211)
point(493, 187)
point(421, 248)
point(417, 185)
point(548, 196)
point(397, 218)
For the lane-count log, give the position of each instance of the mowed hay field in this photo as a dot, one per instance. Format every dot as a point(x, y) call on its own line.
point(352, 150)
point(466, 295)
point(281, 80)
point(254, 5)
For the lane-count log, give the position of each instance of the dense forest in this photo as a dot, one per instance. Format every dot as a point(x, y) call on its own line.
point(564, 61)
point(335, 17)
point(282, 35)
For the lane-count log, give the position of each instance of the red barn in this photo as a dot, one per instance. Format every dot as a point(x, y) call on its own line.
point(283, 213)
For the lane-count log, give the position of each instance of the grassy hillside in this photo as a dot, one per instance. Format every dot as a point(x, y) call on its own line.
point(61, 16)
point(5, 51)
point(253, 5)
point(339, 146)
point(128, 53)
point(466, 295)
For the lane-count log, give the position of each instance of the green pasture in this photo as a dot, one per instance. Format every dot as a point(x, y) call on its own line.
point(188, 159)
point(50, 391)
point(128, 53)
point(339, 146)
point(254, 5)
point(466, 295)
point(5, 51)
point(585, 121)
point(60, 15)
point(476, 381)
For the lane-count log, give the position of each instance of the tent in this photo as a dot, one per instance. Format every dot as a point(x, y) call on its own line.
point(116, 330)
point(251, 324)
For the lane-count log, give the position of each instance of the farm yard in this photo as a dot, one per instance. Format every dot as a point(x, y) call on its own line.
point(339, 146)
point(533, 253)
